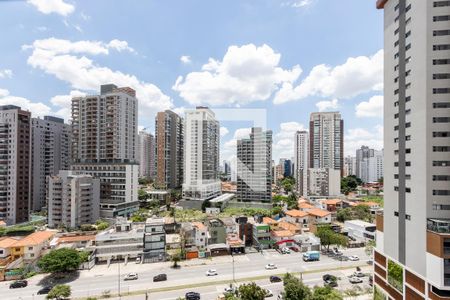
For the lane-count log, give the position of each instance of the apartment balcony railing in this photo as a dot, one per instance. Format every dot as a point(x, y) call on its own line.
point(439, 225)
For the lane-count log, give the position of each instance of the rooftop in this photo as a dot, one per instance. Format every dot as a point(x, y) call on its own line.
point(76, 238)
point(7, 242)
point(35, 238)
point(289, 226)
point(269, 221)
point(305, 205)
point(331, 201)
point(296, 213)
point(318, 212)
point(282, 233)
point(199, 225)
point(155, 221)
point(359, 223)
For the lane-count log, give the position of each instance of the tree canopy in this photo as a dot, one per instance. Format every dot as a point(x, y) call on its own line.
point(329, 237)
point(350, 183)
point(60, 291)
point(325, 293)
point(295, 289)
point(251, 291)
point(359, 212)
point(60, 261)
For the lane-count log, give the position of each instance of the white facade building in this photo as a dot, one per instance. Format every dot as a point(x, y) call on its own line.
point(324, 182)
point(50, 153)
point(301, 162)
point(414, 231)
point(73, 200)
point(201, 155)
point(369, 164)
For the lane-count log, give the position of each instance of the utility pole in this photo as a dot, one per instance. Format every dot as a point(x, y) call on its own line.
point(118, 278)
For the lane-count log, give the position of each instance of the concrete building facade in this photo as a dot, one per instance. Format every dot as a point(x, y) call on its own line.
point(50, 153)
point(169, 149)
point(254, 174)
point(146, 150)
point(301, 152)
point(326, 142)
point(104, 145)
point(324, 182)
point(413, 234)
point(15, 164)
point(201, 155)
point(73, 200)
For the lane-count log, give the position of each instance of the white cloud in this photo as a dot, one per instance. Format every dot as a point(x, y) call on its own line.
point(37, 109)
point(230, 147)
point(42, 28)
point(66, 60)
point(356, 76)
point(120, 46)
point(53, 6)
point(84, 16)
point(78, 28)
point(223, 131)
point(327, 105)
point(6, 73)
point(242, 133)
point(64, 102)
point(185, 59)
point(371, 108)
point(357, 137)
point(283, 142)
point(245, 74)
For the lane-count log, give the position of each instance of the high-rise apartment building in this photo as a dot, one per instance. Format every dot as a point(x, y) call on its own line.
point(324, 182)
point(369, 164)
point(104, 145)
point(201, 155)
point(254, 174)
point(146, 150)
point(349, 166)
point(73, 200)
point(326, 142)
point(412, 257)
point(301, 162)
point(50, 153)
point(169, 149)
point(15, 160)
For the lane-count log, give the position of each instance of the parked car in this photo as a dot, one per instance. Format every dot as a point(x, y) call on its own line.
point(138, 260)
point(353, 257)
point(131, 276)
point(275, 279)
point(329, 277)
point(329, 280)
point(341, 258)
point(271, 267)
point(355, 279)
point(211, 272)
point(358, 274)
point(268, 293)
point(229, 289)
point(285, 250)
point(160, 277)
point(18, 284)
point(45, 290)
point(192, 296)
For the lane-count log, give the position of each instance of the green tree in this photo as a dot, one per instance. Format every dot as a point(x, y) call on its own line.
point(102, 225)
point(60, 261)
point(362, 212)
point(142, 195)
point(395, 275)
point(294, 289)
point(292, 201)
point(344, 214)
point(325, 293)
point(84, 256)
point(329, 237)
point(251, 291)
point(87, 227)
point(60, 291)
point(369, 248)
point(176, 259)
point(349, 184)
point(277, 210)
point(206, 204)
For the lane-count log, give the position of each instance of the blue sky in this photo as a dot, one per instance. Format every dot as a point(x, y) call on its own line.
point(287, 57)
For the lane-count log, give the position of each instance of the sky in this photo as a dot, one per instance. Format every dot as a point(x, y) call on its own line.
point(266, 63)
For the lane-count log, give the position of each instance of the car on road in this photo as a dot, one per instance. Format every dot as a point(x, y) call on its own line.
point(329, 277)
point(268, 293)
point(271, 267)
point(192, 296)
point(45, 290)
point(160, 277)
point(341, 258)
point(211, 272)
point(131, 276)
point(18, 284)
point(329, 280)
point(353, 258)
point(355, 279)
point(285, 250)
point(358, 274)
point(275, 279)
point(370, 262)
point(229, 289)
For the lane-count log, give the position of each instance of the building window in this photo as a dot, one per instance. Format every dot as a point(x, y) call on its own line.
point(441, 178)
point(441, 47)
point(442, 207)
point(441, 163)
point(441, 133)
point(441, 32)
point(441, 192)
point(441, 61)
point(441, 3)
point(441, 75)
point(441, 18)
point(441, 148)
point(441, 119)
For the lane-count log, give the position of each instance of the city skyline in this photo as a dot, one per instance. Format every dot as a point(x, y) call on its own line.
point(47, 38)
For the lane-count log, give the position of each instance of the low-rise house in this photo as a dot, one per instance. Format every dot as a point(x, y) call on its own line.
point(261, 236)
point(173, 241)
point(269, 221)
point(235, 244)
point(195, 238)
point(217, 231)
point(295, 228)
point(230, 225)
point(32, 246)
point(170, 226)
point(162, 196)
point(317, 215)
point(281, 235)
point(304, 206)
point(154, 240)
point(297, 217)
point(359, 230)
point(245, 229)
point(112, 244)
point(75, 241)
point(5, 247)
point(331, 205)
point(308, 242)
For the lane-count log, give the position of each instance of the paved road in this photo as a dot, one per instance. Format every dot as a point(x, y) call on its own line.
point(101, 278)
